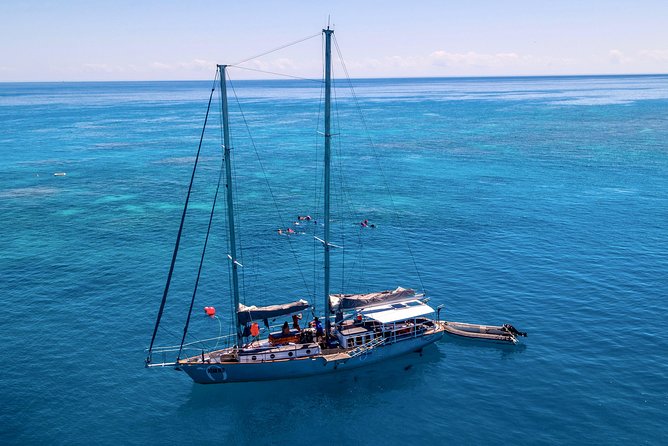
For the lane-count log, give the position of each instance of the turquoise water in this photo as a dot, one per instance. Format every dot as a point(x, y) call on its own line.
point(536, 201)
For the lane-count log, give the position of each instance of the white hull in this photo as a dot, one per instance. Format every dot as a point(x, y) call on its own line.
point(230, 372)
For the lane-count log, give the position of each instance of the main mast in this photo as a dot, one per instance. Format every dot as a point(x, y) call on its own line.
point(328, 137)
point(230, 203)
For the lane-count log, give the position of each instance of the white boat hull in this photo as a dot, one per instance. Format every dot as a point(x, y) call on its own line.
point(230, 372)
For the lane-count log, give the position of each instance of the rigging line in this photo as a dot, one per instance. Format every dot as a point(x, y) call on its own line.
point(231, 329)
point(277, 49)
point(278, 74)
point(239, 240)
point(316, 183)
point(193, 342)
point(225, 214)
point(342, 199)
point(201, 262)
point(358, 260)
point(235, 207)
point(183, 218)
point(373, 148)
point(235, 204)
point(271, 192)
point(345, 199)
point(347, 202)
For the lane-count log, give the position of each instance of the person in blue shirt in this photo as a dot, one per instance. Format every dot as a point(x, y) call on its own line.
point(319, 331)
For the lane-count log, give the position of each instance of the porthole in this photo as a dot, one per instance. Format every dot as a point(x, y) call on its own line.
point(272, 356)
point(308, 352)
point(253, 358)
point(289, 353)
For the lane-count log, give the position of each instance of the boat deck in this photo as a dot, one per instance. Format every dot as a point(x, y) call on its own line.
point(338, 356)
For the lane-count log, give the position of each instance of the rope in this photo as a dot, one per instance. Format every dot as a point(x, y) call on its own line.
point(178, 236)
point(278, 74)
point(347, 202)
point(201, 263)
point(316, 183)
point(271, 192)
point(380, 167)
point(277, 49)
point(220, 331)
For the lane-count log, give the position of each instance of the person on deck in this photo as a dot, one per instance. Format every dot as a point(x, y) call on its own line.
point(286, 329)
point(319, 331)
point(295, 321)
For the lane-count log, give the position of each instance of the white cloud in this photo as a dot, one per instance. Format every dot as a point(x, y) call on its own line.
point(617, 57)
point(285, 64)
point(161, 66)
point(100, 67)
point(193, 65)
point(445, 59)
point(443, 62)
point(198, 65)
point(654, 55)
point(149, 70)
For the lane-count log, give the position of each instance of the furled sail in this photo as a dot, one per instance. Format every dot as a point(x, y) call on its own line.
point(255, 313)
point(340, 302)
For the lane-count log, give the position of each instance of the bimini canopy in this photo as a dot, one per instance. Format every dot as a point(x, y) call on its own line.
point(399, 311)
point(255, 313)
point(342, 302)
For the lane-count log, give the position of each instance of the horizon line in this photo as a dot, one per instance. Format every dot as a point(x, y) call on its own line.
point(280, 78)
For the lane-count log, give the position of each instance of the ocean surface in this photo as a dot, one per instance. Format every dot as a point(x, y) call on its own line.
point(542, 202)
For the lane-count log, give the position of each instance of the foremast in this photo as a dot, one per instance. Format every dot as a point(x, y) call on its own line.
point(230, 202)
point(328, 139)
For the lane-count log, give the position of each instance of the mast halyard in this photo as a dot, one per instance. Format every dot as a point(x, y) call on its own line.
point(230, 208)
point(328, 136)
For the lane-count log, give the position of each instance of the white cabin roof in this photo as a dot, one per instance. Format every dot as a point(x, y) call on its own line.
point(398, 311)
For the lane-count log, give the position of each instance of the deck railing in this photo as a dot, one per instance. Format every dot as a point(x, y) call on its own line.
point(210, 344)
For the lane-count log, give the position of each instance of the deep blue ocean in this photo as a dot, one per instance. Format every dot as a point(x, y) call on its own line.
point(536, 201)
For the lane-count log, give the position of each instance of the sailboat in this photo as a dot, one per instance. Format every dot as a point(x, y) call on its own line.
point(358, 329)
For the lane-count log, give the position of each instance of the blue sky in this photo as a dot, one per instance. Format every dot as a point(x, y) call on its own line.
point(171, 40)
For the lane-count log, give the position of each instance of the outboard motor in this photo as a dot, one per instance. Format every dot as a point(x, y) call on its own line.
point(514, 331)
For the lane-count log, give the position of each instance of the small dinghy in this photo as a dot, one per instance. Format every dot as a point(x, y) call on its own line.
point(498, 333)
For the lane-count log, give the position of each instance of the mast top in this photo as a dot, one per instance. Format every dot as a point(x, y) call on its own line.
point(328, 30)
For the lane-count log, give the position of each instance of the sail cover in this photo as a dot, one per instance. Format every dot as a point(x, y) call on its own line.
point(255, 313)
point(341, 302)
